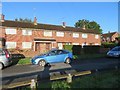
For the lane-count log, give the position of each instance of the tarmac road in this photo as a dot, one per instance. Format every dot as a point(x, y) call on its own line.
point(18, 73)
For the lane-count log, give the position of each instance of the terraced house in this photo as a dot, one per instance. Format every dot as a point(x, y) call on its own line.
point(40, 37)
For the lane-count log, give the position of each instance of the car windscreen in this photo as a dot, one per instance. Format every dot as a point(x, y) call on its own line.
point(116, 49)
point(1, 52)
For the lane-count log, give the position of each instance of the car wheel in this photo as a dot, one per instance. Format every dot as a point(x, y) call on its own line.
point(1, 66)
point(68, 60)
point(42, 63)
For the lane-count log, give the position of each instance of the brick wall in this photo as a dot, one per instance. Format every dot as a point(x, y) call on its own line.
point(39, 33)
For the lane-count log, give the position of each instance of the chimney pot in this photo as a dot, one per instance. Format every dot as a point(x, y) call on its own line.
point(64, 24)
point(2, 17)
point(35, 21)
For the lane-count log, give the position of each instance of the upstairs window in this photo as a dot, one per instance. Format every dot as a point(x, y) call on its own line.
point(60, 34)
point(26, 32)
point(76, 35)
point(10, 31)
point(84, 35)
point(96, 36)
point(47, 33)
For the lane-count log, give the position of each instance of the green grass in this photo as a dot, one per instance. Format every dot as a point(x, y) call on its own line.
point(25, 61)
point(108, 79)
point(22, 61)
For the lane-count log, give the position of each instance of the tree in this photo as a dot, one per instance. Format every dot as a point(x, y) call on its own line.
point(88, 25)
point(24, 20)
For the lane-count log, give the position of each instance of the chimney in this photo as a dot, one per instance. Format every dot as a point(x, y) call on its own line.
point(2, 17)
point(83, 27)
point(64, 24)
point(35, 21)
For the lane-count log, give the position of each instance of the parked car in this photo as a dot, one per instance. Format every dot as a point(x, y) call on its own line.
point(5, 58)
point(114, 52)
point(53, 56)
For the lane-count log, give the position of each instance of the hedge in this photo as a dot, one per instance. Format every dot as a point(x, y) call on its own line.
point(77, 49)
point(90, 49)
point(108, 45)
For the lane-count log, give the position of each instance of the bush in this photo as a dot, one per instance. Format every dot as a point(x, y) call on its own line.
point(68, 47)
point(108, 45)
point(89, 49)
point(75, 49)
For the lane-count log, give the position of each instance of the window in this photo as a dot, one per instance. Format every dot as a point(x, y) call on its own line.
point(75, 35)
point(60, 34)
point(10, 31)
point(84, 35)
point(96, 43)
point(67, 43)
point(96, 36)
point(60, 45)
point(26, 45)
point(75, 43)
point(53, 53)
point(27, 32)
point(47, 33)
point(10, 44)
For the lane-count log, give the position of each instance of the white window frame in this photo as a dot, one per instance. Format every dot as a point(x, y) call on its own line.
point(26, 45)
point(84, 35)
point(60, 45)
point(60, 34)
point(97, 36)
point(97, 44)
point(10, 31)
point(75, 35)
point(67, 43)
point(26, 32)
point(75, 43)
point(47, 33)
point(10, 45)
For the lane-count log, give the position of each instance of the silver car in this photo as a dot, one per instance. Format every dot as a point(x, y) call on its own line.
point(115, 52)
point(5, 58)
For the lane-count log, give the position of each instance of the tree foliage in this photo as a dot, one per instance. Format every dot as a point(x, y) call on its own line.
point(88, 25)
point(23, 20)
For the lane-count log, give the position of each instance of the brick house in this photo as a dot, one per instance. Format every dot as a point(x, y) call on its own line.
point(41, 37)
point(109, 37)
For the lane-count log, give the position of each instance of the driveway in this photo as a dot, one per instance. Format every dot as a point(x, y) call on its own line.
point(26, 72)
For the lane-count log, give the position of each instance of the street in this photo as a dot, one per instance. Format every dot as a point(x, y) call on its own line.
point(19, 73)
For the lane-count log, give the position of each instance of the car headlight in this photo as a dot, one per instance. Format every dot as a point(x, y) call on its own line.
point(116, 54)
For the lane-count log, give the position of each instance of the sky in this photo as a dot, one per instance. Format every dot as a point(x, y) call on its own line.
point(104, 13)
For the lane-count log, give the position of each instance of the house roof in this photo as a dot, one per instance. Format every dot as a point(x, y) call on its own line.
point(18, 24)
point(108, 34)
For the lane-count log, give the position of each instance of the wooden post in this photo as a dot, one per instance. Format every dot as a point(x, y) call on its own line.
point(69, 78)
point(33, 84)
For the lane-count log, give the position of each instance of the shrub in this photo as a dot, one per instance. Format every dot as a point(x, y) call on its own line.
point(89, 49)
point(108, 45)
point(75, 49)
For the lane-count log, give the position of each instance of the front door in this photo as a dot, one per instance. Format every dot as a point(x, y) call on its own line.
point(60, 46)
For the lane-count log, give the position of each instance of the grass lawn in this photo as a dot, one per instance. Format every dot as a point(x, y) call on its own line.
point(21, 61)
point(106, 79)
point(76, 57)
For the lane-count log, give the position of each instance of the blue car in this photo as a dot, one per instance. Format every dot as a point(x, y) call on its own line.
point(115, 52)
point(53, 56)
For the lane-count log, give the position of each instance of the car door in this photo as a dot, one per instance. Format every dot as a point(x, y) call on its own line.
point(2, 55)
point(61, 55)
point(119, 51)
point(51, 57)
